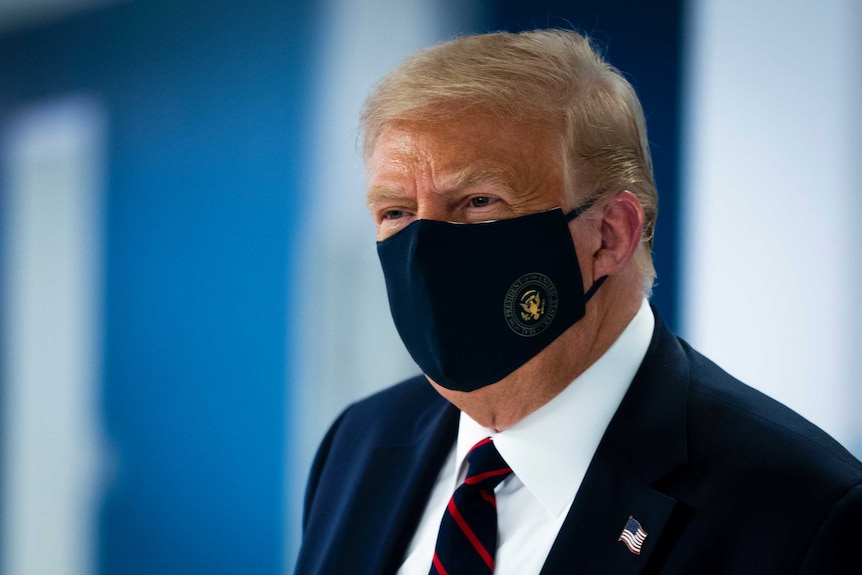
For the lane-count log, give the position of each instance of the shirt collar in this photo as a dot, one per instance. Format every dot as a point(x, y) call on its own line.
point(572, 423)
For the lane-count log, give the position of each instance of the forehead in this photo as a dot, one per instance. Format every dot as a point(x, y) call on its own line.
point(464, 150)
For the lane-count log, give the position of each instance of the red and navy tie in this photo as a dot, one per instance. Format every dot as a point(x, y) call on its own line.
point(468, 532)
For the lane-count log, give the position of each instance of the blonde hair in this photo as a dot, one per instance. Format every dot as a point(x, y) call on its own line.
point(554, 77)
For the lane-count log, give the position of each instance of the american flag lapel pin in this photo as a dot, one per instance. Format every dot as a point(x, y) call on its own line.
point(633, 535)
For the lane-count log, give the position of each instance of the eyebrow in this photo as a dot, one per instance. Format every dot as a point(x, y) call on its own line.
point(471, 175)
point(380, 193)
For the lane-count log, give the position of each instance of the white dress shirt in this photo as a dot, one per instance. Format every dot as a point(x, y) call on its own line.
point(549, 452)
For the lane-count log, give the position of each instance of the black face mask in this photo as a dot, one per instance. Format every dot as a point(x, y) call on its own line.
point(474, 302)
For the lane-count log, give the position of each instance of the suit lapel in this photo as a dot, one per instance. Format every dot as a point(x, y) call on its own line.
point(389, 502)
point(645, 441)
point(588, 541)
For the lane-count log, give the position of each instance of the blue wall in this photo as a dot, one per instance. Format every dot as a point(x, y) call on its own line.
point(205, 120)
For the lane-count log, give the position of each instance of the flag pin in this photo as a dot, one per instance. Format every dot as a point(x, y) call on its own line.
point(633, 535)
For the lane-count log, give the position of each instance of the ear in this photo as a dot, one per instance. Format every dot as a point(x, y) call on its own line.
point(621, 228)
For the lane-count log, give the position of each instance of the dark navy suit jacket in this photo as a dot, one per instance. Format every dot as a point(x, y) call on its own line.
point(722, 478)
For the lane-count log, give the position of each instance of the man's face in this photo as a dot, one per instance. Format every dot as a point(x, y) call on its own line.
point(473, 170)
point(470, 170)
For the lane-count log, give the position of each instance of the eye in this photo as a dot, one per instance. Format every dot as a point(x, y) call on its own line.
point(393, 214)
point(479, 201)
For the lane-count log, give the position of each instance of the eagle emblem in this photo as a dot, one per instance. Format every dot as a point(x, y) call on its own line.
point(533, 305)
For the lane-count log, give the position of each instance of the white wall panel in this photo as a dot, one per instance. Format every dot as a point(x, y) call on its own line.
point(53, 162)
point(771, 194)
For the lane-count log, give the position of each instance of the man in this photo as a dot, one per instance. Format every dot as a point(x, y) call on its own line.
point(511, 183)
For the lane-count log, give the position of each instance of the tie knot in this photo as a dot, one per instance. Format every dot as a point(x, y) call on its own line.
point(485, 466)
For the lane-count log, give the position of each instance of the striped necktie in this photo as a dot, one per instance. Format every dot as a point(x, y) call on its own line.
point(467, 538)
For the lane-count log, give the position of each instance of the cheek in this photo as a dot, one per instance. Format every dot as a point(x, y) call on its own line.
point(389, 227)
point(587, 244)
point(384, 230)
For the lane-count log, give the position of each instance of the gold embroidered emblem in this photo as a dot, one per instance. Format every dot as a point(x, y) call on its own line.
point(530, 304)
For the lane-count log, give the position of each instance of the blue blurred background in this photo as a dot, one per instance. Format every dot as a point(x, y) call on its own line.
point(189, 291)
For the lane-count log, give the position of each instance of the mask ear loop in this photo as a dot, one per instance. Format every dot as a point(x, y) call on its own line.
point(571, 216)
point(594, 288)
point(580, 209)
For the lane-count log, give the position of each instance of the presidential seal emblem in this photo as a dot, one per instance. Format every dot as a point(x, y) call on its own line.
point(530, 304)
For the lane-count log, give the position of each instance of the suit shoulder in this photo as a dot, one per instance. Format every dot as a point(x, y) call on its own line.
point(757, 428)
point(400, 401)
point(391, 414)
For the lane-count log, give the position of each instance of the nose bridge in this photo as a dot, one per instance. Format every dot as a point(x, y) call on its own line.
point(432, 205)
